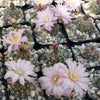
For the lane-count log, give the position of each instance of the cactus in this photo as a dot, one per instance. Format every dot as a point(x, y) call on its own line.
point(55, 30)
point(12, 13)
point(21, 91)
point(95, 7)
point(84, 24)
point(91, 54)
point(56, 55)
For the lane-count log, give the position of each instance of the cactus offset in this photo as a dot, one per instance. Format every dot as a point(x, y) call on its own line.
point(95, 7)
point(91, 54)
point(84, 24)
point(56, 55)
point(21, 91)
point(12, 13)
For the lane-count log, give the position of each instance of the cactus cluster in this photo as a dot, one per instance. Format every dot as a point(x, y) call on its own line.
point(90, 53)
point(56, 55)
point(21, 91)
point(84, 24)
point(95, 7)
point(12, 13)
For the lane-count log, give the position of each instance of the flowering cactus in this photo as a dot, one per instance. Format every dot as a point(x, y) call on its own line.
point(12, 14)
point(15, 39)
point(20, 71)
point(61, 81)
point(56, 54)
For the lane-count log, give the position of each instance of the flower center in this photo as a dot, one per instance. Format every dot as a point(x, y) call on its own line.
point(14, 38)
point(63, 12)
point(46, 19)
point(55, 79)
point(72, 2)
point(73, 76)
point(41, 1)
point(20, 72)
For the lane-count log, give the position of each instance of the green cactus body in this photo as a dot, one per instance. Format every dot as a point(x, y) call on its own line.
point(60, 56)
point(95, 7)
point(12, 13)
point(55, 30)
point(21, 91)
point(84, 24)
point(91, 54)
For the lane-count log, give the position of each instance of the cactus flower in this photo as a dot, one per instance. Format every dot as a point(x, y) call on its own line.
point(73, 4)
point(61, 12)
point(76, 78)
point(46, 19)
point(20, 71)
point(53, 79)
point(15, 39)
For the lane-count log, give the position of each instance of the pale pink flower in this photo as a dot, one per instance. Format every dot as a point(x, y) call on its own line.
point(61, 12)
point(53, 79)
point(73, 4)
point(76, 78)
point(15, 39)
point(20, 71)
point(46, 19)
point(59, 1)
point(41, 3)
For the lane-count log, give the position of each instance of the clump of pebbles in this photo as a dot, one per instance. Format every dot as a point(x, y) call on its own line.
point(45, 37)
point(94, 85)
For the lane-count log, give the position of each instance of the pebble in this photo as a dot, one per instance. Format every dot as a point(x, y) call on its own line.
point(32, 93)
point(98, 93)
point(3, 98)
point(92, 91)
point(11, 97)
point(29, 98)
point(35, 56)
point(39, 97)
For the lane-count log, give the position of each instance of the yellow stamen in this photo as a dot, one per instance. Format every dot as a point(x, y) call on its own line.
point(73, 76)
point(55, 79)
point(72, 2)
point(20, 72)
point(14, 38)
point(46, 19)
point(41, 1)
